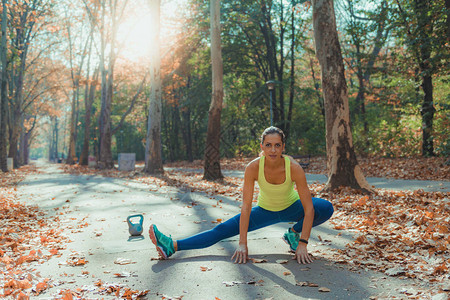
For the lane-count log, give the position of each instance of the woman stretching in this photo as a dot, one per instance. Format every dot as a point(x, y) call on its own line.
point(277, 202)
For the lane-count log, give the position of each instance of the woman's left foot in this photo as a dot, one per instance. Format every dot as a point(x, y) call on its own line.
point(291, 238)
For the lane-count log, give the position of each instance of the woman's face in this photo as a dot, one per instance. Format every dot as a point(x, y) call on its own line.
point(272, 146)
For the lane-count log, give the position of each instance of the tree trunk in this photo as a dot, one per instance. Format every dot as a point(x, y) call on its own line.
point(4, 94)
point(422, 10)
point(105, 160)
point(427, 112)
point(89, 100)
point(343, 168)
point(212, 151)
point(71, 156)
point(22, 146)
point(16, 118)
point(187, 134)
point(153, 155)
point(267, 32)
point(447, 5)
point(17, 112)
point(27, 142)
point(292, 76)
point(53, 152)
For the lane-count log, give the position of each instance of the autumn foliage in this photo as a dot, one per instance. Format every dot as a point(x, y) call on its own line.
point(27, 236)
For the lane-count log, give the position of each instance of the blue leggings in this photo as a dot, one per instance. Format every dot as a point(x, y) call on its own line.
point(259, 218)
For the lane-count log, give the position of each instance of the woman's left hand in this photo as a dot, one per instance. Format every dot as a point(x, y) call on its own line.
point(301, 254)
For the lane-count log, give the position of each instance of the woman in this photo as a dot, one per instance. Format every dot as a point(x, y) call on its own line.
point(277, 202)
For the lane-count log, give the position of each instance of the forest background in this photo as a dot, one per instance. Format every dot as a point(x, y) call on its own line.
point(58, 56)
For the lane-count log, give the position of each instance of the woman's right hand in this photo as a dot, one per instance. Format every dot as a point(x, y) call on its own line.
point(240, 256)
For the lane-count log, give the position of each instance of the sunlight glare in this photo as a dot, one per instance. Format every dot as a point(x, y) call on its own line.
point(134, 32)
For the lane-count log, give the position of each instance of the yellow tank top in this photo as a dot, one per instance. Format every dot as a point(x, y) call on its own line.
point(276, 197)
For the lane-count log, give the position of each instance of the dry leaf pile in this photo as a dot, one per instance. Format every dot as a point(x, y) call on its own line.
point(27, 238)
point(119, 291)
point(399, 233)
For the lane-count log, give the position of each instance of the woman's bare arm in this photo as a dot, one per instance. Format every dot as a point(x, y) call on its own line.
point(299, 177)
point(250, 176)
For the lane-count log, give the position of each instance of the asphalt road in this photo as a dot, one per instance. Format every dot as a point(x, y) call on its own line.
point(93, 212)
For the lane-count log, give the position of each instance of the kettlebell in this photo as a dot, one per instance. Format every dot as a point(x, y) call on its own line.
point(135, 228)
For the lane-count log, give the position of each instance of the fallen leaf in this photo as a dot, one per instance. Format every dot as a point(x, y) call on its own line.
point(123, 261)
point(394, 271)
point(122, 275)
point(40, 287)
point(282, 261)
point(258, 260)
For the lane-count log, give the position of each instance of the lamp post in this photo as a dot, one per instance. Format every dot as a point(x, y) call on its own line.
point(271, 86)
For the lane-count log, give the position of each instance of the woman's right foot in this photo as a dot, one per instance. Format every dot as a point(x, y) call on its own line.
point(163, 243)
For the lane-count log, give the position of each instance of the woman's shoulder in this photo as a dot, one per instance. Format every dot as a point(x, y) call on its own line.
point(253, 166)
point(296, 169)
point(295, 166)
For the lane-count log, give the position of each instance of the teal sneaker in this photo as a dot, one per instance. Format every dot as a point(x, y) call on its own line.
point(163, 243)
point(291, 238)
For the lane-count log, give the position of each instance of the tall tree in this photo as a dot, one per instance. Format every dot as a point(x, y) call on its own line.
point(91, 86)
point(367, 46)
point(212, 151)
point(76, 66)
point(104, 152)
point(107, 15)
point(153, 157)
point(343, 168)
point(4, 93)
point(424, 25)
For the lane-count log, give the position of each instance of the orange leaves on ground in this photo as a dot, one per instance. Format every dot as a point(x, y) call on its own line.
point(24, 227)
point(395, 229)
point(119, 291)
point(361, 202)
point(41, 286)
point(22, 296)
point(77, 262)
point(442, 269)
point(66, 295)
point(33, 256)
point(18, 284)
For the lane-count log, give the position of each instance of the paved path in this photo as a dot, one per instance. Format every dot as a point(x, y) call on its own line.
point(103, 204)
